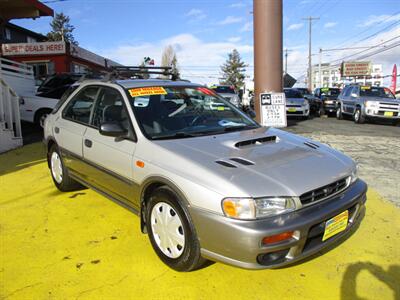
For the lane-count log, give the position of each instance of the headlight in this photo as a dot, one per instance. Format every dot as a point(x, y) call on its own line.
point(248, 208)
point(371, 103)
point(354, 175)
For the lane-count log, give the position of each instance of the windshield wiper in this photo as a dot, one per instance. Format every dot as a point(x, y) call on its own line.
point(177, 135)
point(239, 127)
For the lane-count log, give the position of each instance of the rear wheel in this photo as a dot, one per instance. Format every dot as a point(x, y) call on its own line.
point(358, 117)
point(171, 233)
point(59, 173)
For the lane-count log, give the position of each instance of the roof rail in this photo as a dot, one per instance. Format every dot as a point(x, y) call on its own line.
point(138, 72)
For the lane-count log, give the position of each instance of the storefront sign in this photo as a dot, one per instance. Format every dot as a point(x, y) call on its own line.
point(33, 48)
point(356, 68)
point(273, 109)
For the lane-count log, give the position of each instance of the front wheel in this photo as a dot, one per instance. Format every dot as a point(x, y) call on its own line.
point(339, 115)
point(358, 117)
point(171, 234)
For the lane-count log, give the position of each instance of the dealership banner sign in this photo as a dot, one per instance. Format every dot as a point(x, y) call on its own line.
point(33, 48)
point(356, 68)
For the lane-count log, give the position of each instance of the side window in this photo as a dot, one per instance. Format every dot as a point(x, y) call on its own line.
point(110, 108)
point(80, 107)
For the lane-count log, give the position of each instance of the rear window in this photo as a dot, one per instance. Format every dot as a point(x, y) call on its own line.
point(224, 89)
point(380, 92)
point(293, 94)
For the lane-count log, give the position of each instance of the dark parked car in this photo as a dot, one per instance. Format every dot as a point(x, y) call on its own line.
point(329, 98)
point(315, 103)
point(55, 85)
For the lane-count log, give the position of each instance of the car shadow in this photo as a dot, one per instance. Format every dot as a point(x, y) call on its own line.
point(21, 158)
point(390, 277)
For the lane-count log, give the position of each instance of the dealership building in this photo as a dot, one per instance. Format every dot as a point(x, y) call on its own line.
point(55, 57)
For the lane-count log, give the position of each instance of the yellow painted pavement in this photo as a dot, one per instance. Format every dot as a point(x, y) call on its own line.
point(80, 245)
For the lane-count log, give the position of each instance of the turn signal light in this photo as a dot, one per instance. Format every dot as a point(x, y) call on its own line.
point(278, 237)
point(140, 164)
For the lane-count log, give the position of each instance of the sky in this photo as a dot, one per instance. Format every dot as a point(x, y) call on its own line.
point(203, 32)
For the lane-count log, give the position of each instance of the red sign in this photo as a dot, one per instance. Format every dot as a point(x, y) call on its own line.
point(394, 79)
point(33, 48)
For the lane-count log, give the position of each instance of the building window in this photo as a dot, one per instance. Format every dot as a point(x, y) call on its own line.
point(325, 72)
point(30, 39)
point(76, 68)
point(7, 34)
point(41, 69)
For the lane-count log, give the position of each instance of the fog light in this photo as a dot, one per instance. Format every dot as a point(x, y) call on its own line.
point(277, 238)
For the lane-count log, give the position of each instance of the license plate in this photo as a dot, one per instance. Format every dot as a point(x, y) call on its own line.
point(335, 225)
point(292, 109)
point(388, 114)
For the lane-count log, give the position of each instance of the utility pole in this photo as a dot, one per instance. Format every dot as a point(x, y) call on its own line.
point(309, 19)
point(319, 68)
point(286, 56)
point(267, 49)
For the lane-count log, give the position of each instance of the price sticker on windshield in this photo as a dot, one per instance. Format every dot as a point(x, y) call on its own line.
point(273, 109)
point(147, 91)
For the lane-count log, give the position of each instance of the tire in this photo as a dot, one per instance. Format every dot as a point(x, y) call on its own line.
point(358, 117)
point(182, 252)
point(339, 115)
point(59, 172)
point(395, 122)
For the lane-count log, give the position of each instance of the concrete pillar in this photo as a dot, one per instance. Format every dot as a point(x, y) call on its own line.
point(267, 48)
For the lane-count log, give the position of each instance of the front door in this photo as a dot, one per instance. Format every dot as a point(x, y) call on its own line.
point(110, 158)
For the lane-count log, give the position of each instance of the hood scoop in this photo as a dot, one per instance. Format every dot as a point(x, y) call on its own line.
point(311, 145)
point(242, 161)
point(225, 163)
point(256, 142)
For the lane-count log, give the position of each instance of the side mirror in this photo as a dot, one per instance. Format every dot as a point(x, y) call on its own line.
point(112, 129)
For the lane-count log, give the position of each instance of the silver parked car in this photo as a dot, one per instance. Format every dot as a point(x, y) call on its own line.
point(296, 104)
point(206, 180)
point(368, 102)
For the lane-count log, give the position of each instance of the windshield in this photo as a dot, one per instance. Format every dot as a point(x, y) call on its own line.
point(180, 112)
point(292, 94)
point(224, 89)
point(380, 92)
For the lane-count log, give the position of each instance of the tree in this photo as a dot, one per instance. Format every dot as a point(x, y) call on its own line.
point(169, 59)
point(233, 72)
point(61, 29)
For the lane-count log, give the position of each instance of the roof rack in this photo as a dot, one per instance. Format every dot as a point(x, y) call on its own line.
point(137, 72)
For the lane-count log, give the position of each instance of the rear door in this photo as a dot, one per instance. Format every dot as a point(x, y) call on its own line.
point(72, 125)
point(110, 159)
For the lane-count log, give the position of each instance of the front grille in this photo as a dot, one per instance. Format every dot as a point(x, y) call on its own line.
point(323, 192)
point(387, 106)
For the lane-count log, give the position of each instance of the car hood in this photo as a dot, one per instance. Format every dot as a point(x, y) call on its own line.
point(282, 166)
point(298, 101)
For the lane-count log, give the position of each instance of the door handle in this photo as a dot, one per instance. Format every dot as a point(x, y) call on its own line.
point(88, 143)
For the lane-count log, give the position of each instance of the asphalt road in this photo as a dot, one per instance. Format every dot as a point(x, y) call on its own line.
point(375, 147)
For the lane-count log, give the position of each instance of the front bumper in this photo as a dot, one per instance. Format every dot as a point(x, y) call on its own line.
point(330, 107)
point(298, 111)
point(382, 114)
point(239, 242)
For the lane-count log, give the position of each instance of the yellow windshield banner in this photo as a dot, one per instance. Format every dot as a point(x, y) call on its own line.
point(147, 91)
point(366, 87)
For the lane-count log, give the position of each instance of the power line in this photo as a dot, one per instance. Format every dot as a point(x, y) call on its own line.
point(375, 46)
point(376, 33)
